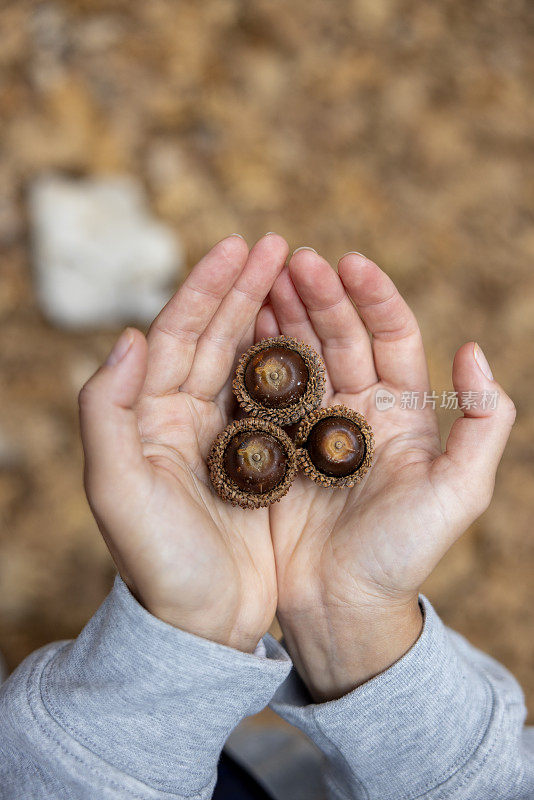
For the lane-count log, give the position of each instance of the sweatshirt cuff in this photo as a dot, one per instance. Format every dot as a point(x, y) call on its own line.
point(153, 701)
point(405, 731)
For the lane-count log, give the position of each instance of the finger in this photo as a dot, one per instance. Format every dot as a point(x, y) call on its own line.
point(290, 311)
point(174, 334)
point(114, 462)
point(217, 346)
point(397, 344)
point(293, 319)
point(477, 440)
point(345, 342)
point(266, 324)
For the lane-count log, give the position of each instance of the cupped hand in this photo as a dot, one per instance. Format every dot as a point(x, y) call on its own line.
point(148, 418)
point(350, 562)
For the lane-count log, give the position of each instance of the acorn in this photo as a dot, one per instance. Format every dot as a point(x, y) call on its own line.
point(279, 379)
point(335, 446)
point(252, 463)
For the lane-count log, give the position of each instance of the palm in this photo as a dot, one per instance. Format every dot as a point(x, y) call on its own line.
point(365, 539)
point(230, 555)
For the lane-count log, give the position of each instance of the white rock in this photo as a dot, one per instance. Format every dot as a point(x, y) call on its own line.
point(100, 258)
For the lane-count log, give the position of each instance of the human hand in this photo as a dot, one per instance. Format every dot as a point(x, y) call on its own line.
point(350, 562)
point(148, 419)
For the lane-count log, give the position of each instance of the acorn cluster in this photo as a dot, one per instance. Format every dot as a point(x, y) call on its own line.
point(279, 384)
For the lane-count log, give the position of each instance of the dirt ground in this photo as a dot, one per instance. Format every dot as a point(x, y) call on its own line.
point(399, 128)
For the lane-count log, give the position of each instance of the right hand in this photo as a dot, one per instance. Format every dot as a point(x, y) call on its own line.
point(148, 418)
point(350, 563)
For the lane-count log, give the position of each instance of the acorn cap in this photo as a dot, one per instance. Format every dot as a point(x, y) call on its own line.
point(279, 379)
point(292, 430)
point(326, 450)
point(252, 463)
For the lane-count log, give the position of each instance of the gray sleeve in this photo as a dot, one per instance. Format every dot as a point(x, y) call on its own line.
point(133, 708)
point(444, 721)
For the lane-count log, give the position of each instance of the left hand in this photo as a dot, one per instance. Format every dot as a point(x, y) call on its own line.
point(350, 562)
point(148, 419)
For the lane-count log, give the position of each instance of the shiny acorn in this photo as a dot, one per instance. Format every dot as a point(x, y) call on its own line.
point(252, 463)
point(335, 446)
point(279, 379)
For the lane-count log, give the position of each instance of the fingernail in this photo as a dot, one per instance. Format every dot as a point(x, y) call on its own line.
point(303, 248)
point(269, 233)
point(120, 348)
point(353, 253)
point(238, 234)
point(482, 362)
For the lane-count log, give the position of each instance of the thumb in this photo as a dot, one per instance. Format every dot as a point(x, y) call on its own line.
point(477, 440)
point(110, 435)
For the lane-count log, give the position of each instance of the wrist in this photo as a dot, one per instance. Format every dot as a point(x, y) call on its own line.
point(337, 649)
point(226, 632)
point(223, 622)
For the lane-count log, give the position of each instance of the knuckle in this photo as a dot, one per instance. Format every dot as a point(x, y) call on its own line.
point(86, 396)
point(509, 409)
point(231, 247)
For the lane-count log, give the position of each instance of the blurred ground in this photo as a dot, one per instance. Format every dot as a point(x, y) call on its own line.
point(398, 128)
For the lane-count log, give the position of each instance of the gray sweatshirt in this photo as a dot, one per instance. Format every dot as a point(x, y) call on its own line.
point(134, 708)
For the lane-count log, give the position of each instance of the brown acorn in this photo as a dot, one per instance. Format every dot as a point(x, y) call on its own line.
point(335, 446)
point(252, 463)
point(279, 379)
